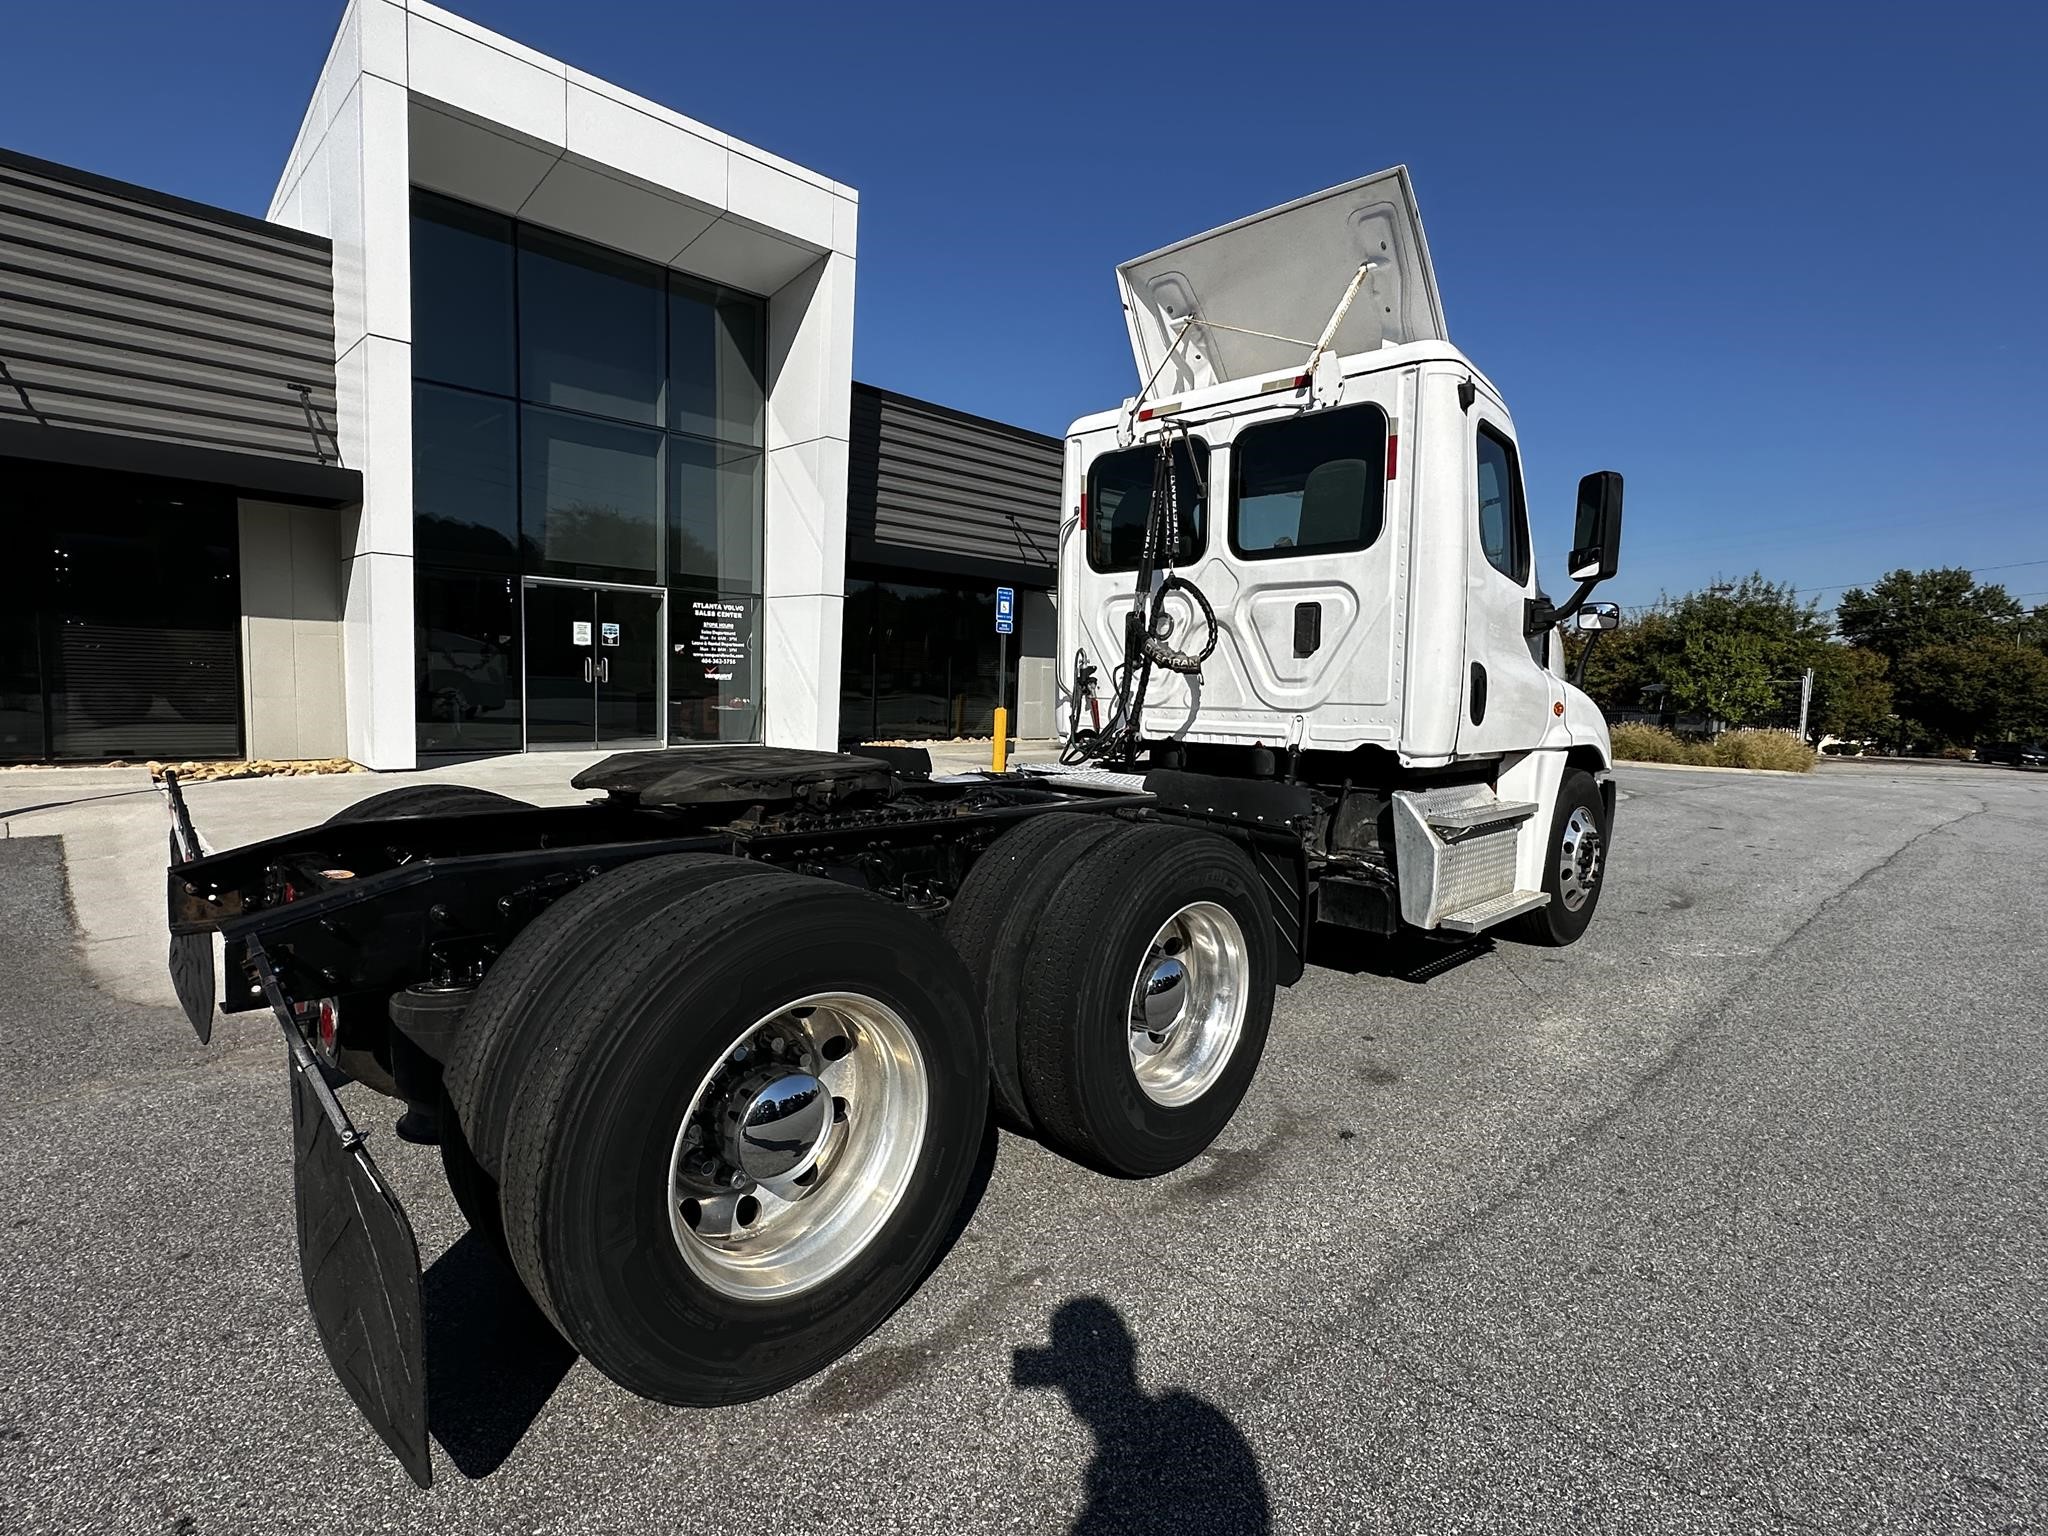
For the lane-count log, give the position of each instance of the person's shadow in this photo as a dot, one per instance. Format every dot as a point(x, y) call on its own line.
point(1171, 1464)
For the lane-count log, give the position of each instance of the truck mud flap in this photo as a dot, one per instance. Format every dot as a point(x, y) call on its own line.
point(192, 978)
point(191, 956)
point(362, 1270)
point(357, 1253)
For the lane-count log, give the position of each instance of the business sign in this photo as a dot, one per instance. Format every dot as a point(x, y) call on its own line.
point(1006, 610)
point(609, 633)
point(579, 632)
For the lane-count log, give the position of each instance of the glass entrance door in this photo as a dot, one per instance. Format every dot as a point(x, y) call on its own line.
point(593, 666)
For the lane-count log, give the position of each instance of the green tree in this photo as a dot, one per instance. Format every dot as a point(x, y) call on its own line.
point(1969, 690)
point(1720, 674)
point(1910, 610)
point(1852, 696)
point(1734, 653)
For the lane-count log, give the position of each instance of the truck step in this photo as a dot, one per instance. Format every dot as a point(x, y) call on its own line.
point(1496, 909)
point(1461, 818)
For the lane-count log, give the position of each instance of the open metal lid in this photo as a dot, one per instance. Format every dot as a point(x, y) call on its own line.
point(1283, 272)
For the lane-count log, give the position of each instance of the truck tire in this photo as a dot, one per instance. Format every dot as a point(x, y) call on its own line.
point(541, 974)
point(1574, 866)
point(1165, 927)
point(744, 1145)
point(993, 923)
point(475, 1191)
point(425, 800)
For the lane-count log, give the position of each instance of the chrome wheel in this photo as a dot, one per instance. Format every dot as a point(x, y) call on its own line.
point(1578, 858)
point(1188, 1004)
point(798, 1146)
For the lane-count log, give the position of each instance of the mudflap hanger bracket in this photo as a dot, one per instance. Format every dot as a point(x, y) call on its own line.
point(357, 1252)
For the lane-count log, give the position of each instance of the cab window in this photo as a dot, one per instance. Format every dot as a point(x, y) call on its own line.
point(1503, 519)
point(1120, 501)
point(1314, 484)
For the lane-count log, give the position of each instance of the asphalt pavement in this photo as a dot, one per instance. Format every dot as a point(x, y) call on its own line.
point(1728, 1218)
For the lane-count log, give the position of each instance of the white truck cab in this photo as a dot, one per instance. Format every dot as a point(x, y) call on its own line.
point(1347, 551)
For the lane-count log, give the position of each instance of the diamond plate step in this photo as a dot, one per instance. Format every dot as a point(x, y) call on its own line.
point(1458, 818)
point(1498, 909)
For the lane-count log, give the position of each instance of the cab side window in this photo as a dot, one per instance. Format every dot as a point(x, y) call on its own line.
point(1503, 519)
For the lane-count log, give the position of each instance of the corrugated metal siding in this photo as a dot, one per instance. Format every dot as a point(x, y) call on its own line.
point(126, 311)
point(941, 483)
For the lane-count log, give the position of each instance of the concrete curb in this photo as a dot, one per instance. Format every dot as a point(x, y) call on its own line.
point(1774, 773)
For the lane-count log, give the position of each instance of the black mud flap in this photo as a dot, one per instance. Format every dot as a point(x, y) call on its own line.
point(191, 956)
point(362, 1270)
point(357, 1253)
point(192, 979)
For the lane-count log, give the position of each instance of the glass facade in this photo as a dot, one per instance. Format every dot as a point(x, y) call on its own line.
point(120, 619)
point(581, 417)
point(921, 661)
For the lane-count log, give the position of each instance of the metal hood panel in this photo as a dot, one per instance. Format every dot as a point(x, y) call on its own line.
point(1283, 272)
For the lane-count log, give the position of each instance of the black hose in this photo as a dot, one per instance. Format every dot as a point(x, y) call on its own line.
point(1144, 645)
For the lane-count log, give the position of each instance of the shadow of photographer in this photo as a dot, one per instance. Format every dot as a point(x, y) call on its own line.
point(1169, 1463)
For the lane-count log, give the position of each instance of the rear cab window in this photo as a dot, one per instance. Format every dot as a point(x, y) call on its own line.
point(1120, 501)
point(1314, 484)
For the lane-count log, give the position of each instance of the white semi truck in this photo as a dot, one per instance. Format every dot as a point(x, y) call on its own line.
point(712, 1059)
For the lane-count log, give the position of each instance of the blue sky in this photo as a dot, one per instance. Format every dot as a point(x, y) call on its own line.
point(1780, 265)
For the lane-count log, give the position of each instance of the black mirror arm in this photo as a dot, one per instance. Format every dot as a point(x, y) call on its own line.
point(1585, 653)
point(1542, 614)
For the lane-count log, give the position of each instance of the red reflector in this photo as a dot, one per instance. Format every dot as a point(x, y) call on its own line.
point(1301, 381)
point(330, 1025)
point(1084, 511)
point(1146, 414)
point(1393, 456)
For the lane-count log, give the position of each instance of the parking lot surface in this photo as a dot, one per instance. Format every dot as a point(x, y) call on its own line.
point(1729, 1218)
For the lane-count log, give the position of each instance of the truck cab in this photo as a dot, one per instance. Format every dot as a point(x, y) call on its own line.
point(1348, 547)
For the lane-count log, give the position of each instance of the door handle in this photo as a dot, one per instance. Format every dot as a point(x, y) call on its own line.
point(604, 670)
point(586, 670)
point(1308, 629)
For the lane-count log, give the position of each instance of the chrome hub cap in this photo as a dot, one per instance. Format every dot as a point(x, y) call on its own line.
point(1578, 859)
point(781, 1125)
point(797, 1146)
point(1188, 1003)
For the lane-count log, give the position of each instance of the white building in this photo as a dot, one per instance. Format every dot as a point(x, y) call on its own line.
point(413, 97)
point(525, 420)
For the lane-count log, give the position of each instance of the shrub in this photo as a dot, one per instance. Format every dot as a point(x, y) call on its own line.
point(1761, 749)
point(1960, 754)
point(1654, 744)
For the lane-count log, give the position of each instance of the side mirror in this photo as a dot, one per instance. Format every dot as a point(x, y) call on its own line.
point(1596, 538)
point(1595, 617)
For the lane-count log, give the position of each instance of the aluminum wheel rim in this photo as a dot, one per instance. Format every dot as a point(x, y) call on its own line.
point(757, 1232)
point(1187, 1004)
point(1578, 858)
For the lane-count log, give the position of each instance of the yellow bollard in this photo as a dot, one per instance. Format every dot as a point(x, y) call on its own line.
point(1001, 750)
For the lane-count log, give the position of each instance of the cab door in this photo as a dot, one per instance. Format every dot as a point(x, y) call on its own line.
point(1508, 692)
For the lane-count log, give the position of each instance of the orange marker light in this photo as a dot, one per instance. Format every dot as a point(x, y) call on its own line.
point(1557, 708)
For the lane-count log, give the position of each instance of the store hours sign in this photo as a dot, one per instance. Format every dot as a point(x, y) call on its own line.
point(720, 643)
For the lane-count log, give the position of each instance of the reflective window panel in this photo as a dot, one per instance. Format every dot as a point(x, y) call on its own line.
point(590, 329)
point(466, 662)
point(590, 499)
point(465, 497)
point(461, 295)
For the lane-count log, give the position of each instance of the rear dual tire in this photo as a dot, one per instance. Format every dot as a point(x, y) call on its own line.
point(671, 1013)
point(1074, 926)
